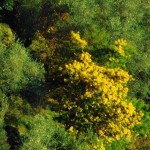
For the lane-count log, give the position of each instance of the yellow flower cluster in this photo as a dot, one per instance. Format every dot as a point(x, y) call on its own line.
point(77, 39)
point(97, 77)
point(110, 115)
point(71, 129)
point(119, 44)
point(112, 59)
point(98, 146)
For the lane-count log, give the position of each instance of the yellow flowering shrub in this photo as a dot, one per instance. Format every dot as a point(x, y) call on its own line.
point(119, 44)
point(119, 54)
point(114, 55)
point(103, 105)
point(98, 146)
point(75, 37)
point(71, 129)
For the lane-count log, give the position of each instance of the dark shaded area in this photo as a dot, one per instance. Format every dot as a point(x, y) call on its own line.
point(24, 28)
point(13, 138)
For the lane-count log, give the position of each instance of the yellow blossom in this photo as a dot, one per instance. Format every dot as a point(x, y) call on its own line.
point(110, 114)
point(77, 39)
point(71, 129)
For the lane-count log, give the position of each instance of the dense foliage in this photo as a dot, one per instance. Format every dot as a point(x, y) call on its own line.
point(102, 104)
point(74, 75)
point(3, 110)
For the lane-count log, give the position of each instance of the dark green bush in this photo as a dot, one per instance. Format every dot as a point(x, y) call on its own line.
point(6, 4)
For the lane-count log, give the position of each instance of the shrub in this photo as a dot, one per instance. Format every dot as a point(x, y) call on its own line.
point(81, 14)
point(46, 134)
point(140, 87)
point(143, 129)
point(6, 35)
point(99, 100)
point(18, 70)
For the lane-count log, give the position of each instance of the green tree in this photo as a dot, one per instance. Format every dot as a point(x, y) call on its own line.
point(121, 18)
point(17, 69)
point(45, 134)
point(139, 67)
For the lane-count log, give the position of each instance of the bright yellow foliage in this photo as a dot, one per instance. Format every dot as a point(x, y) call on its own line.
point(77, 39)
point(70, 129)
point(103, 104)
point(98, 146)
point(119, 44)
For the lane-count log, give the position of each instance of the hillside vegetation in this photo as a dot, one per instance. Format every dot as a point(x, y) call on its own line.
point(74, 75)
